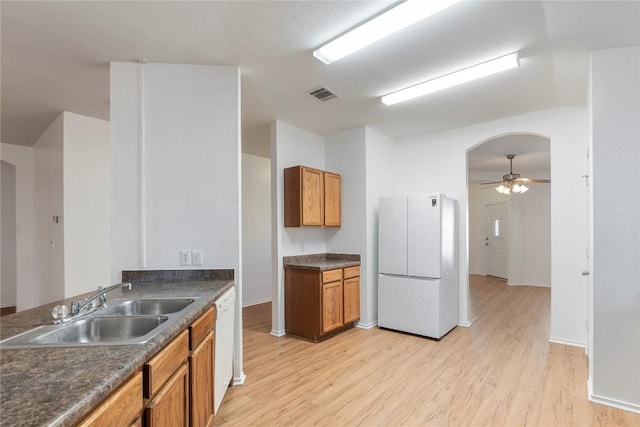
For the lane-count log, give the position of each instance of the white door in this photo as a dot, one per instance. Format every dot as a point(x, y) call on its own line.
point(392, 235)
point(496, 240)
point(423, 240)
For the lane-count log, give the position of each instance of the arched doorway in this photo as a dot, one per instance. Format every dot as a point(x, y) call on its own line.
point(510, 234)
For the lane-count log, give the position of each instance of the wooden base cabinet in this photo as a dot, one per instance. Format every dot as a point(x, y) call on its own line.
point(166, 385)
point(201, 369)
point(321, 303)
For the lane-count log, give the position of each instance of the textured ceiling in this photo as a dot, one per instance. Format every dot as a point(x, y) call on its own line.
point(55, 56)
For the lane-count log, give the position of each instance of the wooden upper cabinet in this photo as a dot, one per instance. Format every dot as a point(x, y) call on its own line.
point(332, 202)
point(311, 197)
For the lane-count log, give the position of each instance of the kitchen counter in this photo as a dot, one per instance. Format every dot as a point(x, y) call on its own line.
point(321, 262)
point(60, 386)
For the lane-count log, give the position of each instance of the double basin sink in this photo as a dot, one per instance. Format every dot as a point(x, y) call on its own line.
point(122, 321)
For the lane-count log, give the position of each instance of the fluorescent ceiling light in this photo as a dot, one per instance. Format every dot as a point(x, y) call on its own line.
point(401, 16)
point(458, 77)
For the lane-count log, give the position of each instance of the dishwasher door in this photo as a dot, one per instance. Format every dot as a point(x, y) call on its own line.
point(225, 306)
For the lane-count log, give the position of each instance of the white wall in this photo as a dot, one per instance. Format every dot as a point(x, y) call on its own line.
point(22, 158)
point(530, 246)
point(87, 204)
point(176, 170)
point(48, 202)
point(256, 229)
point(615, 125)
point(529, 230)
point(346, 155)
point(437, 162)
point(380, 155)
point(9, 252)
point(290, 146)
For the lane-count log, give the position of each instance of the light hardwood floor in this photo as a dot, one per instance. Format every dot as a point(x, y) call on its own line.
point(502, 371)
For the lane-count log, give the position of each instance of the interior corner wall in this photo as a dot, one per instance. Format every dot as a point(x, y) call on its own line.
point(87, 204)
point(437, 162)
point(290, 146)
point(256, 229)
point(380, 156)
point(47, 204)
point(615, 126)
point(345, 155)
point(22, 158)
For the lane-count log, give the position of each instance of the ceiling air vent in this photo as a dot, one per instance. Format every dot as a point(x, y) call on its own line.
point(323, 93)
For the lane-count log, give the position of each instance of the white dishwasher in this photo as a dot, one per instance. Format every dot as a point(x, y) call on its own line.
point(225, 306)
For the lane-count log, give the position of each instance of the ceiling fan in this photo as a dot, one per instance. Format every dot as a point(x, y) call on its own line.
point(512, 182)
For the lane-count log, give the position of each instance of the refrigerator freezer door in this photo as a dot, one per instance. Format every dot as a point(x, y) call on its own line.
point(409, 305)
point(424, 246)
point(392, 235)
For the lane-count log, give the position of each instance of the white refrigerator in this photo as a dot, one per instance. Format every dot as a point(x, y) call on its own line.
point(418, 264)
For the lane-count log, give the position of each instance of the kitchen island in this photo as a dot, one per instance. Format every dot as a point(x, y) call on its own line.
point(59, 386)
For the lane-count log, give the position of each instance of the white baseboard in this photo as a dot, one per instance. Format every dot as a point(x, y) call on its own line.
point(567, 342)
point(618, 404)
point(367, 325)
point(537, 285)
point(466, 324)
point(239, 380)
point(249, 304)
point(278, 333)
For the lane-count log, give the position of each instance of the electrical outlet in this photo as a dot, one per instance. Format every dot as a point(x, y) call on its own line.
point(196, 257)
point(185, 257)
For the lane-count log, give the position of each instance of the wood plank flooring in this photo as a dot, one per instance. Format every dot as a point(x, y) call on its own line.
point(502, 371)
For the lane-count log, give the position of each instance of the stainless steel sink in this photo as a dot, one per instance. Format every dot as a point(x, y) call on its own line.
point(150, 306)
point(123, 321)
point(102, 330)
point(117, 330)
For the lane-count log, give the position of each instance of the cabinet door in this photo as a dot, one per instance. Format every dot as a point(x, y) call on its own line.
point(312, 197)
point(332, 205)
point(331, 306)
point(201, 374)
point(171, 406)
point(351, 299)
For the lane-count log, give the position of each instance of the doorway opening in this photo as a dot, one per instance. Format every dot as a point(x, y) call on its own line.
point(510, 234)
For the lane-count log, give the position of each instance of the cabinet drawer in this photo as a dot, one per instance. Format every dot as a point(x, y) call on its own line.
point(159, 369)
point(201, 327)
point(350, 272)
point(331, 275)
point(121, 408)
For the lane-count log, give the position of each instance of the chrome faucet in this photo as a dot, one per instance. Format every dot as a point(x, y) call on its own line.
point(78, 307)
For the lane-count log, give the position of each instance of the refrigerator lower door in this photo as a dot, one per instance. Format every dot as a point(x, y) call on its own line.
point(409, 304)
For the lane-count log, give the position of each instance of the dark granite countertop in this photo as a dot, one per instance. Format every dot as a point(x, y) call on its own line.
point(321, 262)
point(60, 386)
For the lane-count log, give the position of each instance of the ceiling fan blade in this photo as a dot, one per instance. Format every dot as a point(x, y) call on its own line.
point(532, 181)
point(491, 183)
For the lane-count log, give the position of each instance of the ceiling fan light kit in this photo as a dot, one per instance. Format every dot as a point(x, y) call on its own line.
point(381, 26)
point(512, 182)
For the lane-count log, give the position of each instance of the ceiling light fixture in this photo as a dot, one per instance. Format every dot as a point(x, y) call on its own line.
point(457, 77)
point(391, 21)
